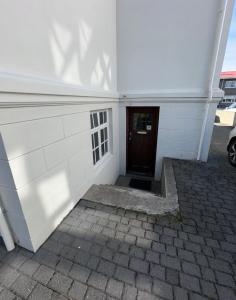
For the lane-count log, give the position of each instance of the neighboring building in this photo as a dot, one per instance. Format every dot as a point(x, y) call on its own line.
point(93, 89)
point(228, 85)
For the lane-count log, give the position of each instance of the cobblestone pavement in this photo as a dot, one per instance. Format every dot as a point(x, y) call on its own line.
point(100, 252)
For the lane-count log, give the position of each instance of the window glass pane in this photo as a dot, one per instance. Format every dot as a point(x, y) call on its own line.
point(101, 118)
point(97, 155)
point(95, 139)
point(141, 121)
point(105, 129)
point(92, 141)
point(106, 147)
point(91, 121)
point(103, 149)
point(102, 135)
point(94, 159)
point(105, 116)
point(95, 119)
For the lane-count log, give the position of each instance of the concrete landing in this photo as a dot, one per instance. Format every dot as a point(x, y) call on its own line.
point(130, 199)
point(137, 200)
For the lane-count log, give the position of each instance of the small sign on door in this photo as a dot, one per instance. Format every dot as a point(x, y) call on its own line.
point(149, 127)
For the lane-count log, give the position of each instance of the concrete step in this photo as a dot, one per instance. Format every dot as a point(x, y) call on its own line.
point(130, 199)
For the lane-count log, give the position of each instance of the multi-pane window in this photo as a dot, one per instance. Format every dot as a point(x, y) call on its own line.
point(230, 84)
point(100, 135)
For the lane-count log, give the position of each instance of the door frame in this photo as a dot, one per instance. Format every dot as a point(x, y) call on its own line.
point(157, 110)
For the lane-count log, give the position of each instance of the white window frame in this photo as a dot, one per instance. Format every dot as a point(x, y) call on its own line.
point(98, 129)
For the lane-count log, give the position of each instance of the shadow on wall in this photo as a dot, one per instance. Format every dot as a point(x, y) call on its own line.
point(73, 42)
point(35, 205)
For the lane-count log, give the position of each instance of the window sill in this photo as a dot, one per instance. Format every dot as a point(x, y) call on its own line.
point(106, 158)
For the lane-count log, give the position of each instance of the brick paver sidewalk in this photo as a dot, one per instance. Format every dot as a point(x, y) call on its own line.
point(100, 252)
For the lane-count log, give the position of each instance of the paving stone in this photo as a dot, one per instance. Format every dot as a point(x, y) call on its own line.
point(180, 294)
point(146, 296)
point(158, 247)
point(43, 274)
point(225, 293)
point(171, 250)
point(82, 257)
point(137, 252)
point(189, 282)
point(144, 282)
point(192, 247)
point(172, 276)
point(98, 281)
point(60, 283)
point(95, 249)
point(157, 271)
point(208, 289)
point(150, 235)
point(106, 268)
point(79, 273)
point(23, 286)
point(8, 275)
point(220, 265)
point(64, 266)
point(93, 262)
point(191, 269)
point(15, 260)
point(41, 292)
point(166, 239)
point(202, 260)
point(144, 243)
point(162, 289)
point(130, 293)
point(114, 288)
point(152, 256)
point(178, 243)
point(170, 232)
point(194, 296)
point(29, 267)
point(93, 294)
point(225, 279)
point(77, 290)
point(121, 259)
point(208, 274)
point(186, 255)
point(7, 295)
point(139, 265)
point(125, 275)
point(107, 254)
point(170, 262)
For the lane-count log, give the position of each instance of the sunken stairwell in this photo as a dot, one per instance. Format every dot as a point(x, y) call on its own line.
point(137, 200)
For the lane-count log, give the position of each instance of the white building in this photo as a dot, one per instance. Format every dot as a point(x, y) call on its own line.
point(147, 69)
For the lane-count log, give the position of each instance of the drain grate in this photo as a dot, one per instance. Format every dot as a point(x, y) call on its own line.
point(139, 184)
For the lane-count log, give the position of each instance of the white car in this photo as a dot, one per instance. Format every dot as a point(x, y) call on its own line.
point(232, 107)
point(231, 148)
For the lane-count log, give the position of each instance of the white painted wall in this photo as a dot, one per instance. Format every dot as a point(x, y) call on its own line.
point(46, 165)
point(66, 49)
point(71, 42)
point(179, 131)
point(165, 46)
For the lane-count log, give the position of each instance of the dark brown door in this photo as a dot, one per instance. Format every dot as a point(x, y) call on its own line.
point(142, 124)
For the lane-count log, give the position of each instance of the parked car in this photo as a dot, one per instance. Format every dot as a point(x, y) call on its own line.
point(232, 107)
point(231, 148)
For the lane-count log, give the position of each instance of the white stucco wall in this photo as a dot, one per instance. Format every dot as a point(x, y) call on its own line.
point(57, 63)
point(179, 130)
point(46, 165)
point(70, 42)
point(166, 45)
